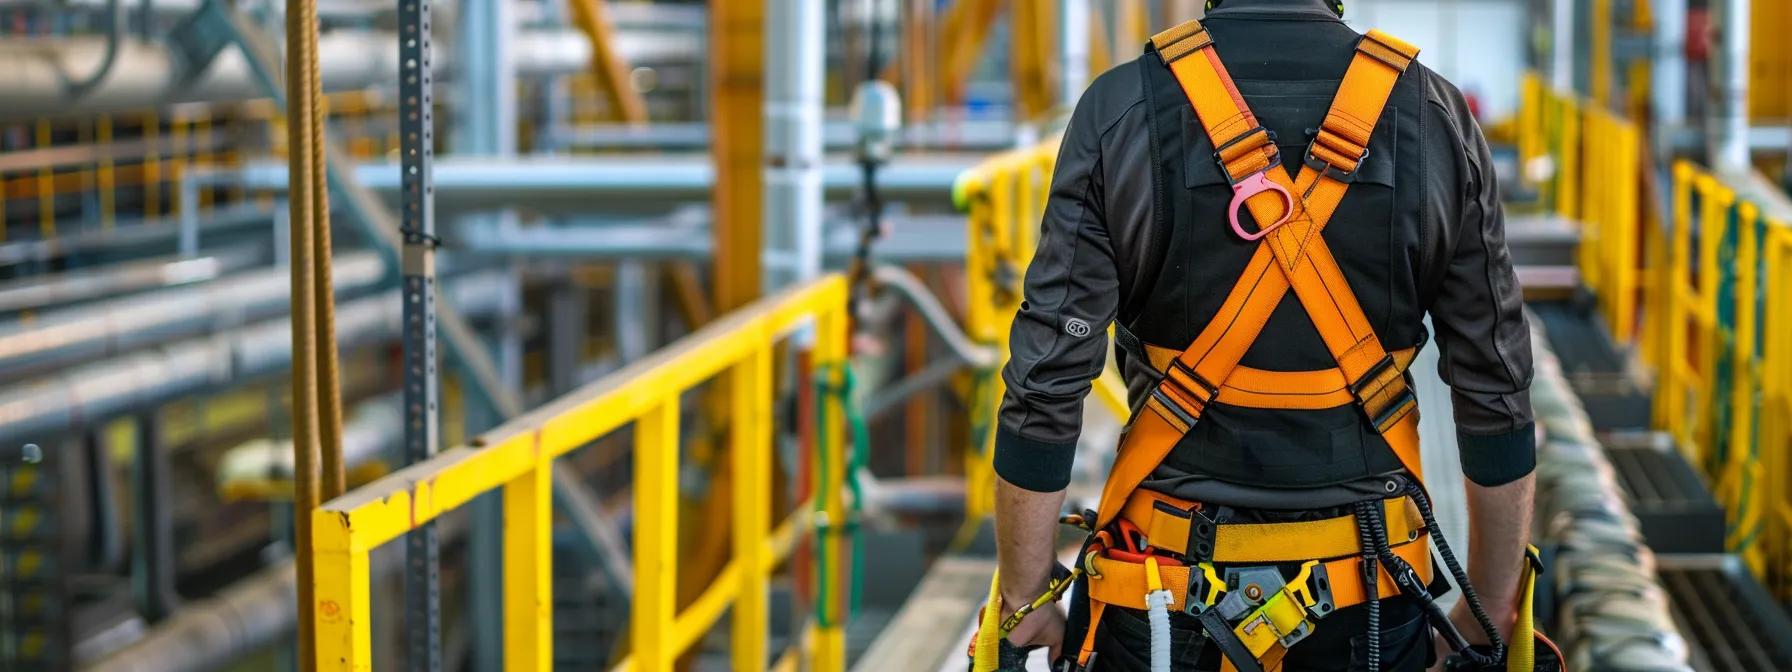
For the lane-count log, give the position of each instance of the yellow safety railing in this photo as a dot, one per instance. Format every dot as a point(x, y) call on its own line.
point(1586, 162)
point(517, 458)
point(1004, 198)
point(1721, 282)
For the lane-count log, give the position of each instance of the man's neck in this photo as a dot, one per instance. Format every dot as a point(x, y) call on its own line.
point(1278, 7)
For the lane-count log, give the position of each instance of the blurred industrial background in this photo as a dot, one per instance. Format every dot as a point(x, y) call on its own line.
point(611, 177)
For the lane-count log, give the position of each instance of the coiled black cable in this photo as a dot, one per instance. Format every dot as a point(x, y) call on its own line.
point(1417, 494)
point(1371, 579)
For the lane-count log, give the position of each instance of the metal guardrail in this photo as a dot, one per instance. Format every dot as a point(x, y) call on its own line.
point(517, 459)
point(1721, 286)
point(1703, 296)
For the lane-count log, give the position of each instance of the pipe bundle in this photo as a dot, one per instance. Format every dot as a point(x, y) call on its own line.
point(1612, 612)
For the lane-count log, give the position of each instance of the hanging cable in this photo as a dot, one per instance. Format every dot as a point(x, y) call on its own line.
point(1371, 580)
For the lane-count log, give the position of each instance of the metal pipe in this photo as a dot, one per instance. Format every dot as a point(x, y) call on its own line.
point(51, 406)
point(121, 325)
point(795, 65)
point(1668, 73)
point(249, 616)
point(1073, 44)
point(570, 184)
point(974, 134)
point(33, 72)
point(1730, 151)
point(138, 236)
point(66, 289)
point(911, 239)
point(1561, 67)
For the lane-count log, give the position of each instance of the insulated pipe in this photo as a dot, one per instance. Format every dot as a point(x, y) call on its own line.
point(245, 618)
point(795, 63)
point(121, 325)
point(34, 72)
point(55, 405)
point(136, 235)
point(1730, 152)
point(77, 286)
point(570, 184)
point(1668, 72)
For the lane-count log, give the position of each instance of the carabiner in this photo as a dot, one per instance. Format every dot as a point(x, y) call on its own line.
point(1244, 189)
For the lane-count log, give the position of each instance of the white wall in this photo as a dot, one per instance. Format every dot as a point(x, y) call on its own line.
point(1477, 44)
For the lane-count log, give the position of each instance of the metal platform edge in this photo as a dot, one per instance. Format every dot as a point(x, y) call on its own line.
point(925, 633)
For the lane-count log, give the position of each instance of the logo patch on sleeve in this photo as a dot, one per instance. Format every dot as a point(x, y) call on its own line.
point(1075, 326)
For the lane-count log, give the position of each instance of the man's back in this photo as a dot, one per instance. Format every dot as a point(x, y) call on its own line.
point(1136, 232)
point(1290, 412)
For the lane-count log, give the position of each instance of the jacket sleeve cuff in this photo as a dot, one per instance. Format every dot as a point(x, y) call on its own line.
point(1033, 465)
point(1498, 459)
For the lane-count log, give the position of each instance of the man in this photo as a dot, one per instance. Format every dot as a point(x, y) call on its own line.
point(1150, 228)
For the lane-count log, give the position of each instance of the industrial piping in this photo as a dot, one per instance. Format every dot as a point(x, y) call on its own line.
point(40, 409)
point(124, 324)
point(34, 72)
point(79, 286)
point(1612, 612)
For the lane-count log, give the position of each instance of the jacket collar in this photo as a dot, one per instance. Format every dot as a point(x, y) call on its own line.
point(1274, 9)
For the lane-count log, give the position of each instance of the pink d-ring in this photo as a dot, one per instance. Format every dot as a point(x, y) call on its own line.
point(1257, 183)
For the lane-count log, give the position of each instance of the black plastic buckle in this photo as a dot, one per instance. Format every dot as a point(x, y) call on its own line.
point(1370, 376)
point(1270, 140)
point(1394, 409)
point(1209, 390)
point(1326, 169)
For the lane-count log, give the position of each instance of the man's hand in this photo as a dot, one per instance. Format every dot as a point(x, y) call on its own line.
point(1503, 613)
point(1044, 627)
point(1026, 549)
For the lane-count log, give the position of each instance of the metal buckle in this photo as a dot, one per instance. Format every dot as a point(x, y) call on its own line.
point(1326, 169)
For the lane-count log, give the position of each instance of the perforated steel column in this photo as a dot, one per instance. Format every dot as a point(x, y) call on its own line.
point(423, 618)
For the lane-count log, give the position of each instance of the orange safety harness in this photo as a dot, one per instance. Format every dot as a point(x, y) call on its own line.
point(1122, 562)
point(1155, 552)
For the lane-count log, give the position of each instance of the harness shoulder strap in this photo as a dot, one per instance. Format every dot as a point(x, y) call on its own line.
point(1247, 151)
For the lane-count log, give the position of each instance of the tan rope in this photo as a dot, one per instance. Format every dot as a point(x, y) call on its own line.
point(329, 401)
point(301, 63)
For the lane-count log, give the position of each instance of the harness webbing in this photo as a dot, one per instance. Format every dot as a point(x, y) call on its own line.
point(1195, 377)
point(1291, 214)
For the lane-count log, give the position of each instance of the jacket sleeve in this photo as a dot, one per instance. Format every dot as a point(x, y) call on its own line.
point(1483, 337)
point(1058, 344)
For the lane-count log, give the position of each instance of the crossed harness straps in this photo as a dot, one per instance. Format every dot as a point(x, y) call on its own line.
point(1290, 255)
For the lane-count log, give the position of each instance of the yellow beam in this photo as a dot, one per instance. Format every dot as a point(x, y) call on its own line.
point(737, 95)
point(966, 28)
point(608, 67)
point(1031, 59)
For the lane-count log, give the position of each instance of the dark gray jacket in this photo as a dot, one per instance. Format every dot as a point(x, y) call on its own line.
point(1134, 231)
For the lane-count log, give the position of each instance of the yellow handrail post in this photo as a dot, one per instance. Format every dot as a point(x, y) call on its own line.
point(656, 537)
point(750, 395)
point(830, 356)
point(1718, 201)
point(529, 568)
point(343, 636)
point(1671, 411)
point(1743, 387)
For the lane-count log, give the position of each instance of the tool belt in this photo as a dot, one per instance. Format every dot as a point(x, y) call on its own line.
point(1228, 574)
